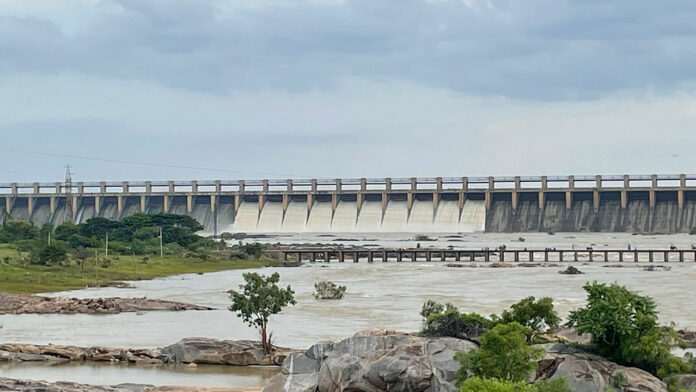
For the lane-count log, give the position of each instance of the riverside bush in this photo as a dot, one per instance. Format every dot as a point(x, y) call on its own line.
point(328, 290)
point(477, 384)
point(448, 321)
point(538, 316)
point(624, 329)
point(503, 354)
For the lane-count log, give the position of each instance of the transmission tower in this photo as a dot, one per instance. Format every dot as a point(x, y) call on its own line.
point(68, 193)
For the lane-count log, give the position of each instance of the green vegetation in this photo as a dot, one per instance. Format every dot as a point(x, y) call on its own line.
point(503, 355)
point(258, 299)
point(539, 316)
point(73, 256)
point(624, 329)
point(477, 384)
point(328, 290)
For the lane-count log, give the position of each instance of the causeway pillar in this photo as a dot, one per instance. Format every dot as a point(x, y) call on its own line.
point(680, 193)
point(653, 187)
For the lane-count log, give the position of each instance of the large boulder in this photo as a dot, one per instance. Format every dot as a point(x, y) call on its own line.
point(374, 361)
point(221, 352)
point(591, 373)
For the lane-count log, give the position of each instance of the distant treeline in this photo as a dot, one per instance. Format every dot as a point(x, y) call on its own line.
point(136, 234)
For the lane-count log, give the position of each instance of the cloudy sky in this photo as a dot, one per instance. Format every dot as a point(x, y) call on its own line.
point(160, 89)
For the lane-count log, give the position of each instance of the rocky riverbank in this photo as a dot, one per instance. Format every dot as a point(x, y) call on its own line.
point(396, 361)
point(25, 304)
point(9, 384)
point(190, 350)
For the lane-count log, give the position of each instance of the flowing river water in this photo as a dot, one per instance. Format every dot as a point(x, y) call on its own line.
point(379, 295)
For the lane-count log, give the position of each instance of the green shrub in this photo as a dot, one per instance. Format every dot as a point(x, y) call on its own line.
point(431, 307)
point(619, 380)
point(555, 385)
point(539, 315)
point(447, 321)
point(624, 329)
point(503, 354)
point(477, 384)
point(328, 290)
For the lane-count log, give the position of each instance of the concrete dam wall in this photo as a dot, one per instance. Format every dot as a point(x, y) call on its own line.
point(639, 204)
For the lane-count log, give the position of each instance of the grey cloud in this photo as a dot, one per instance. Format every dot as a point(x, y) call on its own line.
point(542, 49)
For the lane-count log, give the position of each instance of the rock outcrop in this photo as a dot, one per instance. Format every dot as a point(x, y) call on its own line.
point(374, 361)
point(8, 384)
point(222, 352)
point(686, 381)
point(391, 361)
point(591, 373)
point(191, 350)
point(23, 304)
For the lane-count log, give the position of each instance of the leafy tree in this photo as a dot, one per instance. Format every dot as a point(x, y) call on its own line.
point(448, 321)
point(17, 229)
point(624, 329)
point(258, 299)
point(81, 254)
point(537, 315)
point(49, 254)
point(66, 230)
point(503, 354)
point(431, 307)
point(251, 249)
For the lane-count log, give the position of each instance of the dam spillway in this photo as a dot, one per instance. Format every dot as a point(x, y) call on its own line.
point(636, 204)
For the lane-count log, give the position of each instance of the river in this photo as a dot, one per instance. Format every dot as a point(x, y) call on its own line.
point(379, 295)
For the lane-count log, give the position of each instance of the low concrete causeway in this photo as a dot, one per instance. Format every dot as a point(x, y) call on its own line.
point(529, 255)
point(626, 187)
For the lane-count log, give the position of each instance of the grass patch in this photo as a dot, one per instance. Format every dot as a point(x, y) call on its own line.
point(18, 277)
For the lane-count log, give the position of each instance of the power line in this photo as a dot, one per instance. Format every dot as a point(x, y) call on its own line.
point(154, 164)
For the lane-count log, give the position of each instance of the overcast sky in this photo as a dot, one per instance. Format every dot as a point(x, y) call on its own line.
point(206, 89)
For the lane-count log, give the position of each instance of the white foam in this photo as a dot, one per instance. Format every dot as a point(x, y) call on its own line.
point(246, 220)
point(320, 217)
point(295, 217)
point(421, 218)
point(345, 216)
point(370, 217)
point(473, 216)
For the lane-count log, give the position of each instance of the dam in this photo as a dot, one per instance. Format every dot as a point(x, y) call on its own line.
point(624, 203)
